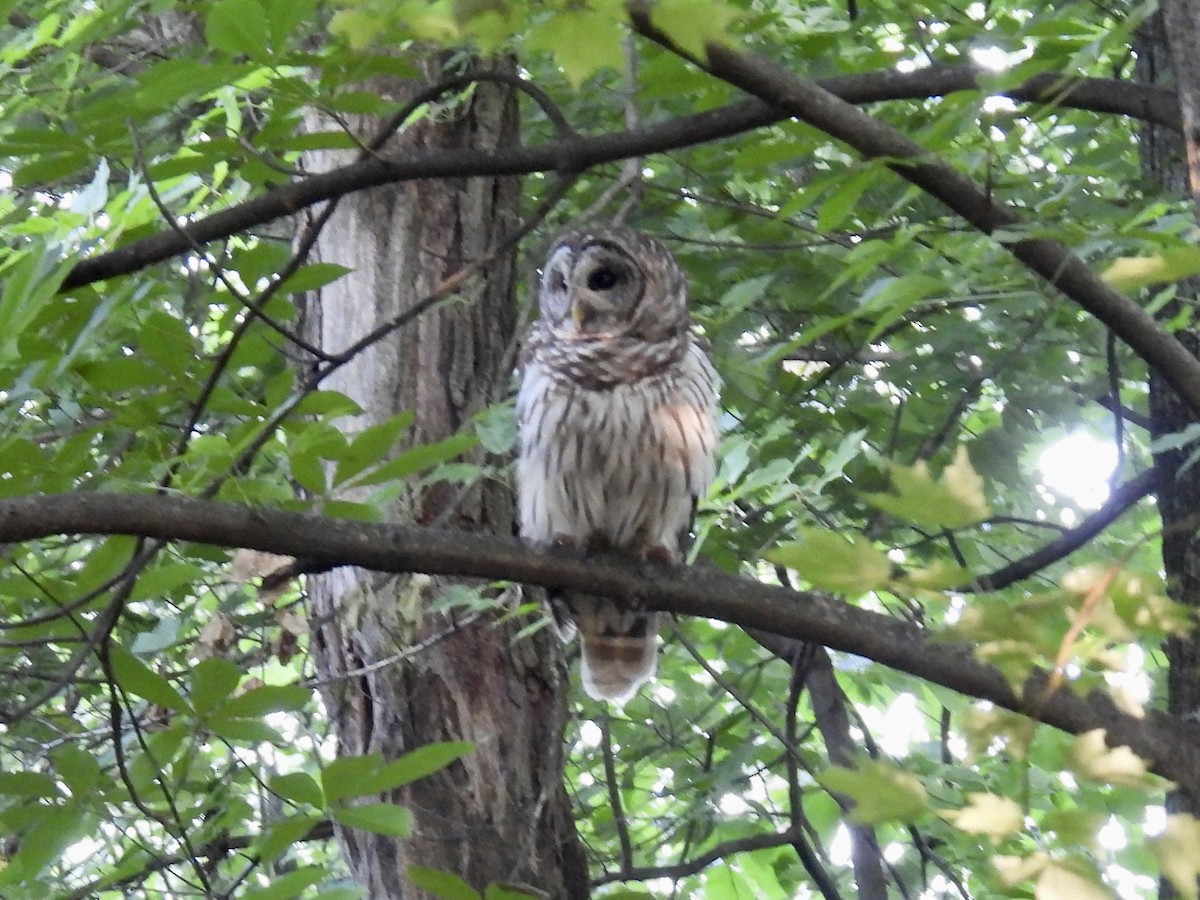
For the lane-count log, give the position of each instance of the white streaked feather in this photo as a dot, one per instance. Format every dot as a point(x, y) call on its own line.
point(625, 465)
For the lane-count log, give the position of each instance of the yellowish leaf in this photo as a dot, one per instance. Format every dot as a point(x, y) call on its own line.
point(1092, 758)
point(1014, 870)
point(939, 575)
point(954, 501)
point(1177, 850)
point(989, 814)
point(983, 726)
point(1128, 273)
point(1127, 701)
point(965, 483)
point(1059, 881)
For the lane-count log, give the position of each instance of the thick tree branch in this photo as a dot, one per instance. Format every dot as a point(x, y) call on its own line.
point(577, 153)
point(1170, 744)
point(813, 104)
point(563, 155)
point(1183, 38)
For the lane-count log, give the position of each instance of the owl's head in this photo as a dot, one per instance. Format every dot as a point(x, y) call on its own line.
point(613, 282)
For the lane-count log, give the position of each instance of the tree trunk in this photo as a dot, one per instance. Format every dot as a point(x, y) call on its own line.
point(502, 813)
point(1164, 160)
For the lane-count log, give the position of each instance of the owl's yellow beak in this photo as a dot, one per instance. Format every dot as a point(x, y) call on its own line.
point(580, 313)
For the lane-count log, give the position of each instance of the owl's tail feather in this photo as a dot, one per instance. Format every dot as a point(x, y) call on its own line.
point(620, 647)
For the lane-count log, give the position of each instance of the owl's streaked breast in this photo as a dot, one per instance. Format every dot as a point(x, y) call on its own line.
point(615, 464)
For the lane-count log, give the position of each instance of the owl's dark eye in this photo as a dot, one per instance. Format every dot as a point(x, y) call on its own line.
point(602, 278)
point(557, 281)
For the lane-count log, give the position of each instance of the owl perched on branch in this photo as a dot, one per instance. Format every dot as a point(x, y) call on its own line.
point(617, 418)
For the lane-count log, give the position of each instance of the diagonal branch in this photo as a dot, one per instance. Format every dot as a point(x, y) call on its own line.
point(704, 860)
point(809, 102)
point(1067, 543)
point(1169, 743)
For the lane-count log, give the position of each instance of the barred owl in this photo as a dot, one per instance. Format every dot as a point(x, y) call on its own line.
point(617, 430)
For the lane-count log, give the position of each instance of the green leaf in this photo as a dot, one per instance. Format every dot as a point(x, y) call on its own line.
point(213, 680)
point(356, 26)
point(829, 561)
point(413, 765)
point(165, 634)
point(441, 884)
point(371, 445)
point(161, 748)
point(159, 580)
point(881, 792)
point(340, 893)
point(1131, 273)
point(283, 834)
point(238, 27)
point(692, 24)
point(313, 276)
point(299, 787)
point(357, 776)
point(889, 298)
point(840, 204)
point(498, 891)
point(340, 779)
point(582, 42)
point(496, 428)
point(418, 459)
point(293, 884)
point(54, 829)
point(121, 373)
point(135, 677)
point(78, 769)
point(381, 818)
point(327, 403)
point(245, 731)
point(744, 293)
point(286, 16)
point(171, 80)
point(264, 699)
point(30, 785)
point(26, 289)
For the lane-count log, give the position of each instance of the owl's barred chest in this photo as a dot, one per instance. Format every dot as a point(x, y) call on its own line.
point(620, 465)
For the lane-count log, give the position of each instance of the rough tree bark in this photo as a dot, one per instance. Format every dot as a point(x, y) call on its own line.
point(501, 814)
point(1165, 46)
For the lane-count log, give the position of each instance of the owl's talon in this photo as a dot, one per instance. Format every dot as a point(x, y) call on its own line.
point(658, 555)
point(565, 546)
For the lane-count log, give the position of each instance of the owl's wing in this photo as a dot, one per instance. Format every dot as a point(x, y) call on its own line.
point(535, 337)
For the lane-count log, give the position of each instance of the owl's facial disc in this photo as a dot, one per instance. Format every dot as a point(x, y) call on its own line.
point(604, 288)
point(556, 295)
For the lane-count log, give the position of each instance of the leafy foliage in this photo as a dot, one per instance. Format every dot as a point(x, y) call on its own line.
point(160, 727)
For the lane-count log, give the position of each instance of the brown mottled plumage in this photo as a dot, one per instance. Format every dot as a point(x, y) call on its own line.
point(617, 418)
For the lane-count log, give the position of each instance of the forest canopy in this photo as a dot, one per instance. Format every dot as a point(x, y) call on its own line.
point(935, 634)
